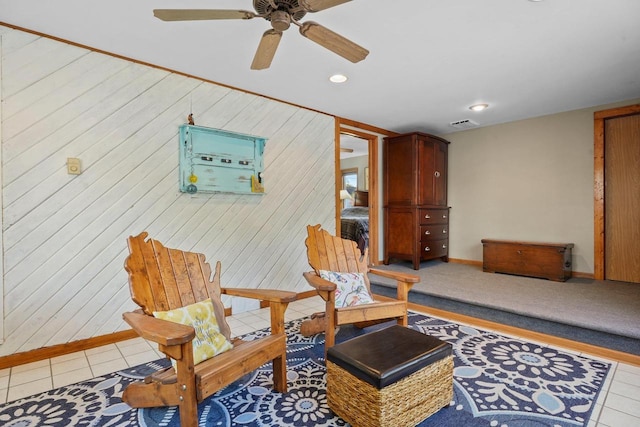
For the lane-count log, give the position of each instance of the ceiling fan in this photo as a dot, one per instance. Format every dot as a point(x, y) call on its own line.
point(281, 14)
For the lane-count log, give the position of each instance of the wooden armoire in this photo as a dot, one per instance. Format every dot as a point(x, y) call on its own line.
point(416, 226)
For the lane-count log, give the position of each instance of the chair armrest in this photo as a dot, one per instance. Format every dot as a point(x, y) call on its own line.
point(270, 295)
point(396, 275)
point(160, 331)
point(318, 282)
point(278, 302)
point(404, 281)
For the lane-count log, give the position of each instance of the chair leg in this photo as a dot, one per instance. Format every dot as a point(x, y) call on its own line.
point(189, 411)
point(153, 394)
point(280, 374)
point(403, 321)
point(149, 394)
point(330, 327)
point(186, 387)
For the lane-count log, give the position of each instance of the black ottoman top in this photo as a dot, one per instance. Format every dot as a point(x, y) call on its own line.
point(388, 355)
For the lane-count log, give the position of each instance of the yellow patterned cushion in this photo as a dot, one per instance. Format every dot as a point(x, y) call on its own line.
point(208, 340)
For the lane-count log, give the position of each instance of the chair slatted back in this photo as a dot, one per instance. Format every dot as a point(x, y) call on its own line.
point(163, 279)
point(328, 252)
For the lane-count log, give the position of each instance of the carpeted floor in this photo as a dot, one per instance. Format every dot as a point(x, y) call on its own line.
point(498, 380)
point(604, 306)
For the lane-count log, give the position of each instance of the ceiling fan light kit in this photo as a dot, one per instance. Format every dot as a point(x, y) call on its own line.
point(280, 20)
point(281, 14)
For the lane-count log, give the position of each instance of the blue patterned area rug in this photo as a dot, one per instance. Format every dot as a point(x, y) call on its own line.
point(498, 381)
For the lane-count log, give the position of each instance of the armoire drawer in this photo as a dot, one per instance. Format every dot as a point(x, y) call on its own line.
point(434, 216)
point(434, 248)
point(434, 232)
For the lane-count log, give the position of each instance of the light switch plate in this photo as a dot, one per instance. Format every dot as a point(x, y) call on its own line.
point(73, 166)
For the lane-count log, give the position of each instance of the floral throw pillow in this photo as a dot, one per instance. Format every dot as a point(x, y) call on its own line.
point(208, 340)
point(350, 288)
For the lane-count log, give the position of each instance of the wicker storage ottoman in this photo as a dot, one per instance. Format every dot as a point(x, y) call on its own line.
point(392, 377)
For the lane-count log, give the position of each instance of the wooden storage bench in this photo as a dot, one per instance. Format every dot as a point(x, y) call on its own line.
point(545, 260)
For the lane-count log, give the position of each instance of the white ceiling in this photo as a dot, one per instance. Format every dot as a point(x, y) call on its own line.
point(357, 147)
point(430, 59)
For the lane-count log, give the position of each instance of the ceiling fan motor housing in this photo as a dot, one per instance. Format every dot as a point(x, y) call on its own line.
point(280, 20)
point(265, 7)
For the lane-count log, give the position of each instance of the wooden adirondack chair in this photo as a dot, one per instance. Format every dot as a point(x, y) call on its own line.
point(162, 279)
point(331, 253)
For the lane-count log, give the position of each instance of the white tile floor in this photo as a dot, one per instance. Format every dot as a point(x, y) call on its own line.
point(617, 406)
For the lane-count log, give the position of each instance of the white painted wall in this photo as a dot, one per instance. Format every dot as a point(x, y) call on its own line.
point(65, 236)
point(529, 180)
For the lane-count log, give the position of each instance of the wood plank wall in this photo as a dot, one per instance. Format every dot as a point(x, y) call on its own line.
point(65, 235)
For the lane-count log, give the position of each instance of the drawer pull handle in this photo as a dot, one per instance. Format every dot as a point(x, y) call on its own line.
point(444, 246)
point(444, 231)
point(436, 174)
point(427, 216)
point(427, 232)
point(444, 217)
point(427, 249)
point(243, 162)
point(519, 252)
point(225, 160)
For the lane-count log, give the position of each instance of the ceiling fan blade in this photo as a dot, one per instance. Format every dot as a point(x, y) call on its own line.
point(266, 50)
point(318, 5)
point(201, 14)
point(333, 41)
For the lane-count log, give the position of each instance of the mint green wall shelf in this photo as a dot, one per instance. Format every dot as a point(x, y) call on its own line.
point(218, 161)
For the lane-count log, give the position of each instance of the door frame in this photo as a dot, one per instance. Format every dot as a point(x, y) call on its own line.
point(599, 196)
point(373, 135)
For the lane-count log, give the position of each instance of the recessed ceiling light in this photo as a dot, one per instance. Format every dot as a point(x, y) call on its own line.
point(338, 78)
point(479, 107)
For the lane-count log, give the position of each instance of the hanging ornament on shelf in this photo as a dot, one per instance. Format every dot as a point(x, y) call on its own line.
point(193, 178)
